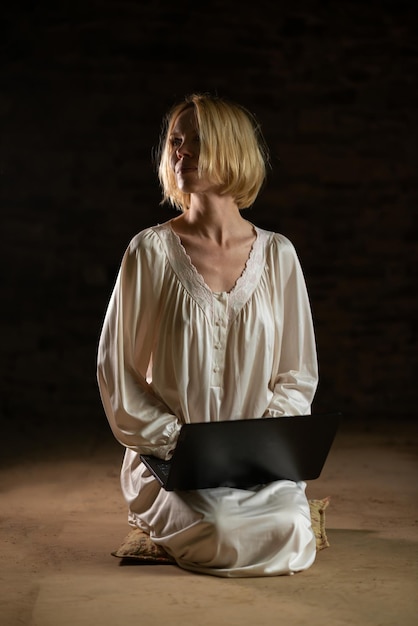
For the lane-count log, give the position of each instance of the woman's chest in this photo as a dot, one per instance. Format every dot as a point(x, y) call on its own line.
point(219, 268)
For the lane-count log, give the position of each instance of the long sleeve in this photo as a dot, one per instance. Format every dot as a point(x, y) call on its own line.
point(295, 371)
point(138, 418)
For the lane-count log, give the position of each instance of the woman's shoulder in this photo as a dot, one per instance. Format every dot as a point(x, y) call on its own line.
point(147, 239)
point(275, 241)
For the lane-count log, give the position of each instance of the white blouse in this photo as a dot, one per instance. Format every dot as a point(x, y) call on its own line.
point(171, 351)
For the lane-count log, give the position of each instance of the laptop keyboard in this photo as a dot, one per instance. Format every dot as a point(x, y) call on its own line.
point(163, 467)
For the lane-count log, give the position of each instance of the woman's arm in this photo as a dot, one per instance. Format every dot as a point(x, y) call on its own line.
point(138, 419)
point(295, 373)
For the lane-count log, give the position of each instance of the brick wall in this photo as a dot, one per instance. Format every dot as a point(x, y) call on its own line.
point(83, 89)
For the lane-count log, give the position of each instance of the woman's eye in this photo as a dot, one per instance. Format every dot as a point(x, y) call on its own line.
point(175, 141)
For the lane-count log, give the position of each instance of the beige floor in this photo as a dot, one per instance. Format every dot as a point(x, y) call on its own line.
point(61, 518)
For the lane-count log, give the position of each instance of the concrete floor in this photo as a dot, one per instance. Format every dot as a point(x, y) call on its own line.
point(62, 516)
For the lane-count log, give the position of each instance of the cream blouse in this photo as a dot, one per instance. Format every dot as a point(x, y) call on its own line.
point(171, 351)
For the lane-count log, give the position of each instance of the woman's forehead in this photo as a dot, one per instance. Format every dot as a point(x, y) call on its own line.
point(186, 120)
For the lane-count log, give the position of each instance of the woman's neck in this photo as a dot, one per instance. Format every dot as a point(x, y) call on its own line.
point(216, 218)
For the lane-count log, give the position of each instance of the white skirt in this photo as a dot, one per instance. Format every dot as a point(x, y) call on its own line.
point(262, 531)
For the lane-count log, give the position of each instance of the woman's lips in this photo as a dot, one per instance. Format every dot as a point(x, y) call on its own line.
point(183, 170)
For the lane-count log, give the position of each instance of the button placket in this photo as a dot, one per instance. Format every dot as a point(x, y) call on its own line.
point(219, 337)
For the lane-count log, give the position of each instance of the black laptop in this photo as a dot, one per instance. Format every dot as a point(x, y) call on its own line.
point(244, 453)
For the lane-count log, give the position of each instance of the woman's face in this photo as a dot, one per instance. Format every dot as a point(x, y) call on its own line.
point(184, 158)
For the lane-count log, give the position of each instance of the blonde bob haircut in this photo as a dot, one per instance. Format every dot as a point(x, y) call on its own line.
point(233, 153)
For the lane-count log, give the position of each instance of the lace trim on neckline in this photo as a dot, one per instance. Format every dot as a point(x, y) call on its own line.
point(194, 282)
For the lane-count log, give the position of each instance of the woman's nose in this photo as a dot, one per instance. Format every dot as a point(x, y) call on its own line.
point(184, 150)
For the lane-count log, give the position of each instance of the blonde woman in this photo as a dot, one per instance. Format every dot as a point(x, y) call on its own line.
point(210, 320)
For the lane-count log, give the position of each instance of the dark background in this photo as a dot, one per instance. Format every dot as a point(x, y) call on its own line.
point(84, 86)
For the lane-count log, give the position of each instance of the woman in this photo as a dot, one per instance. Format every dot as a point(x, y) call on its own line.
point(210, 320)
